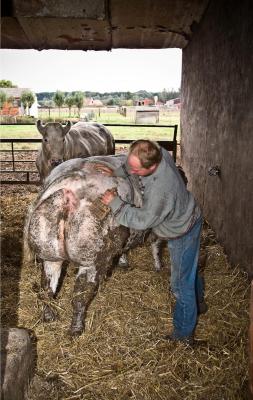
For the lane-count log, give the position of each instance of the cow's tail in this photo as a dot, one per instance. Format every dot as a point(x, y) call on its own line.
point(28, 253)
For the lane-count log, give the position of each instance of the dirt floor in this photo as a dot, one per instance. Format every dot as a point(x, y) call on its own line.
point(122, 354)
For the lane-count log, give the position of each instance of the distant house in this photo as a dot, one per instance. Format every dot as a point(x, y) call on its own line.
point(144, 102)
point(174, 104)
point(159, 103)
point(93, 102)
point(16, 107)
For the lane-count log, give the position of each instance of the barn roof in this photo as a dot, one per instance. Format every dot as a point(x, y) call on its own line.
point(99, 24)
point(15, 92)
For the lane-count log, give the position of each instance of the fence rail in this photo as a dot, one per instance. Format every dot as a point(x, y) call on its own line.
point(170, 145)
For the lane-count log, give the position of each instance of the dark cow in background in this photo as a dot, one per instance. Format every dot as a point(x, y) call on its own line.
point(69, 222)
point(61, 143)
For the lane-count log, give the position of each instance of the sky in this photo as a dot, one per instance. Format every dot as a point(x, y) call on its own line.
point(102, 71)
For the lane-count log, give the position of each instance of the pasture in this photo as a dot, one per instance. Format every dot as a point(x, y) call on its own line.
point(110, 115)
point(167, 118)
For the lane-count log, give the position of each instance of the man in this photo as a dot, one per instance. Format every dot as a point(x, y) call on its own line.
point(172, 213)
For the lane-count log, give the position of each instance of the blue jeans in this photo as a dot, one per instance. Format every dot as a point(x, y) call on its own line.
point(186, 284)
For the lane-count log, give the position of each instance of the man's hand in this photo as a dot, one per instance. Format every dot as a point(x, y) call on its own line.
point(103, 169)
point(108, 196)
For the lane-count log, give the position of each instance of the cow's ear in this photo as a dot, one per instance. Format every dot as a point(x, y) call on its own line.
point(41, 128)
point(67, 127)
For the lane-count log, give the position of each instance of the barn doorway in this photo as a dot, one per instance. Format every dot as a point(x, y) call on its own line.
point(121, 357)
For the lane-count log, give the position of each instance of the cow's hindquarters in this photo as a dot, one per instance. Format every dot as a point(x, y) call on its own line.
point(47, 226)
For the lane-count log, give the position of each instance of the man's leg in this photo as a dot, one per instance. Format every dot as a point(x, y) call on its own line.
point(186, 285)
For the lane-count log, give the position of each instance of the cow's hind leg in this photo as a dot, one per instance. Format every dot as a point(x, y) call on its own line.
point(85, 288)
point(50, 278)
point(156, 248)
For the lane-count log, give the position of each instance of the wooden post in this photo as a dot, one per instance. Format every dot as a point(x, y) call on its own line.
point(175, 143)
point(12, 156)
point(17, 362)
point(251, 342)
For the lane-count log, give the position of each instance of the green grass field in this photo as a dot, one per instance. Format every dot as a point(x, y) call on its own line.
point(132, 133)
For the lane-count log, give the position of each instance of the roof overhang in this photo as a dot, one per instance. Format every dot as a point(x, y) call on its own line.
point(99, 24)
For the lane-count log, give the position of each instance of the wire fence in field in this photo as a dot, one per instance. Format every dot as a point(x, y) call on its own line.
point(18, 154)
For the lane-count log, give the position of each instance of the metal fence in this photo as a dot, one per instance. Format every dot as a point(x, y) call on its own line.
point(30, 176)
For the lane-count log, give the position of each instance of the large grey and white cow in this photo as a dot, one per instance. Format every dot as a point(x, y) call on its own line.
point(61, 143)
point(68, 222)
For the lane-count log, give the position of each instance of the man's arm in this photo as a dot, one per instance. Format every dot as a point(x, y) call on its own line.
point(156, 207)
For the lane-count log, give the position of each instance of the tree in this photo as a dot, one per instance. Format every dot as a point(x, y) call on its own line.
point(42, 96)
point(24, 101)
point(69, 101)
point(128, 96)
point(59, 100)
point(6, 84)
point(163, 96)
point(49, 104)
point(10, 99)
point(168, 94)
point(27, 98)
point(2, 98)
point(30, 100)
point(110, 102)
point(129, 103)
point(79, 101)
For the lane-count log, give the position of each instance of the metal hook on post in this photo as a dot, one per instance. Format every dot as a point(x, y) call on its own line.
point(214, 171)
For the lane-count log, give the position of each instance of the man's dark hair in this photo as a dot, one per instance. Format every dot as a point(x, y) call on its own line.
point(148, 152)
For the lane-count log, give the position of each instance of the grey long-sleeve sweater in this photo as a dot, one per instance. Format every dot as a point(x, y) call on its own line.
point(168, 207)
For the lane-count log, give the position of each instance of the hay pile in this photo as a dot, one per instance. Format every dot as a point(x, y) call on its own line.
point(122, 354)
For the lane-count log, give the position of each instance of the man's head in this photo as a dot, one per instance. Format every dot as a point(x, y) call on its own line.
point(144, 157)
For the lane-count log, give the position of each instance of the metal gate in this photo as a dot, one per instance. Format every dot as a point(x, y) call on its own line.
point(21, 175)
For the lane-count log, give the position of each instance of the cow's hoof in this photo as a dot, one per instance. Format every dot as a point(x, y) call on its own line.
point(49, 315)
point(123, 262)
point(76, 331)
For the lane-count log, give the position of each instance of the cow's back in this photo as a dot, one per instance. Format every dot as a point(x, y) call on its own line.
point(88, 139)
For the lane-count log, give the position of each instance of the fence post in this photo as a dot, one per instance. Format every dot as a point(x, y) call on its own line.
point(175, 143)
point(12, 156)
